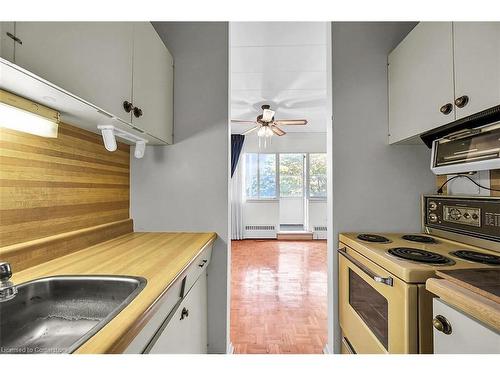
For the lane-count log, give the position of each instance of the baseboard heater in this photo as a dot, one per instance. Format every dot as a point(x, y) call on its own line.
point(260, 231)
point(319, 232)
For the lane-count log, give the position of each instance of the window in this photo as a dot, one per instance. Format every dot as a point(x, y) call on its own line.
point(260, 176)
point(264, 181)
point(317, 176)
point(291, 175)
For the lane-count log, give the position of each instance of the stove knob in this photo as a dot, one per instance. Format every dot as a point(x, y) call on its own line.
point(433, 218)
point(432, 205)
point(475, 217)
point(466, 215)
point(455, 214)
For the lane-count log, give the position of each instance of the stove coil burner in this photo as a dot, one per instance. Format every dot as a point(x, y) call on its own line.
point(478, 257)
point(418, 255)
point(373, 238)
point(418, 238)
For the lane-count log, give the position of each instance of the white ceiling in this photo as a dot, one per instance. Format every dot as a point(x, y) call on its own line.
point(282, 64)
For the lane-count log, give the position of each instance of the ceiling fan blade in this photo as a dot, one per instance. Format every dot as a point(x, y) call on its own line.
point(290, 122)
point(250, 130)
point(243, 121)
point(277, 130)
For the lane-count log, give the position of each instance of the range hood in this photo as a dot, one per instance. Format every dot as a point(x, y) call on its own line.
point(466, 145)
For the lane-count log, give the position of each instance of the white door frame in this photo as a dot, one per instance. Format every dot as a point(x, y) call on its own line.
point(332, 345)
point(333, 341)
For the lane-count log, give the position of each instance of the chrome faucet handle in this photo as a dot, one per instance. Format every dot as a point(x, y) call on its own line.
point(7, 289)
point(5, 271)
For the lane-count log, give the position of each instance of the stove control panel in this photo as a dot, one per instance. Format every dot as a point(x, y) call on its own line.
point(462, 215)
point(473, 216)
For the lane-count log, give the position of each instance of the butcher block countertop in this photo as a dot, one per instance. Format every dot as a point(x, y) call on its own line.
point(474, 291)
point(158, 257)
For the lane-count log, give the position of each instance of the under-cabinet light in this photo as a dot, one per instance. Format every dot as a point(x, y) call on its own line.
point(140, 148)
point(109, 134)
point(24, 115)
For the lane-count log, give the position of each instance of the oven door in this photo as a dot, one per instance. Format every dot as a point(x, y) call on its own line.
point(378, 312)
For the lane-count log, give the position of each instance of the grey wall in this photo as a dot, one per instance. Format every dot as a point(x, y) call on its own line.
point(376, 187)
point(184, 187)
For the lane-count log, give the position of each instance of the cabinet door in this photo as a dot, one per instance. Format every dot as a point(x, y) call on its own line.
point(153, 83)
point(187, 333)
point(467, 336)
point(477, 65)
point(92, 60)
point(421, 81)
point(6, 42)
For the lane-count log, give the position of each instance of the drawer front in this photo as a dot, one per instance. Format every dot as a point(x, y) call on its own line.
point(197, 267)
point(185, 330)
point(168, 302)
point(467, 336)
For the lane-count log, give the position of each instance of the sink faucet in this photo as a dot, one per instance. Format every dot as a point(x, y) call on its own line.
point(7, 289)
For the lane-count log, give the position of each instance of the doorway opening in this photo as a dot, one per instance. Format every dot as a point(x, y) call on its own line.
point(278, 188)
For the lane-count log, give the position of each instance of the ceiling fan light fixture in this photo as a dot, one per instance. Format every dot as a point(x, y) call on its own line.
point(267, 115)
point(265, 131)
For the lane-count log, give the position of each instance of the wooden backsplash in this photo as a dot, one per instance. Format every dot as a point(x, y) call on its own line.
point(494, 182)
point(52, 186)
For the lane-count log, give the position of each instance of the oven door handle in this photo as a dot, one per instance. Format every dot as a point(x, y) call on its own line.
point(375, 277)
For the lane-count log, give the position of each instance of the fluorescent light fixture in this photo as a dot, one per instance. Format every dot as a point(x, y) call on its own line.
point(23, 115)
point(109, 134)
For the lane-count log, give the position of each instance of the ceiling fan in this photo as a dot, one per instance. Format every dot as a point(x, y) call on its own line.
point(266, 125)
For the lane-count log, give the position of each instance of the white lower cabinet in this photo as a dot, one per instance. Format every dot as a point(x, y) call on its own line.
point(457, 333)
point(186, 331)
point(180, 322)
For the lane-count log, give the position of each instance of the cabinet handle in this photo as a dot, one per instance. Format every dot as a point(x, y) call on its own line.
point(14, 38)
point(184, 313)
point(202, 263)
point(462, 101)
point(446, 109)
point(442, 324)
point(137, 112)
point(127, 106)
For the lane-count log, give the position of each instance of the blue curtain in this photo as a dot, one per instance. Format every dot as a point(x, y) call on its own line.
point(236, 146)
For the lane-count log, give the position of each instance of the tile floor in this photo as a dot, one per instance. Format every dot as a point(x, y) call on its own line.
point(279, 296)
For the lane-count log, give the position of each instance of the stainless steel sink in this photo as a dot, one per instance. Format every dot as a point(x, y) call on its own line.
point(58, 314)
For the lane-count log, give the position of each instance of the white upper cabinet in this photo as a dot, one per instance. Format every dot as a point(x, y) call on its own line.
point(421, 81)
point(123, 68)
point(441, 72)
point(92, 60)
point(7, 36)
point(153, 75)
point(477, 66)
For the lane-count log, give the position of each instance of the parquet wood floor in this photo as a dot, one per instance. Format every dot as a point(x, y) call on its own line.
point(279, 296)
